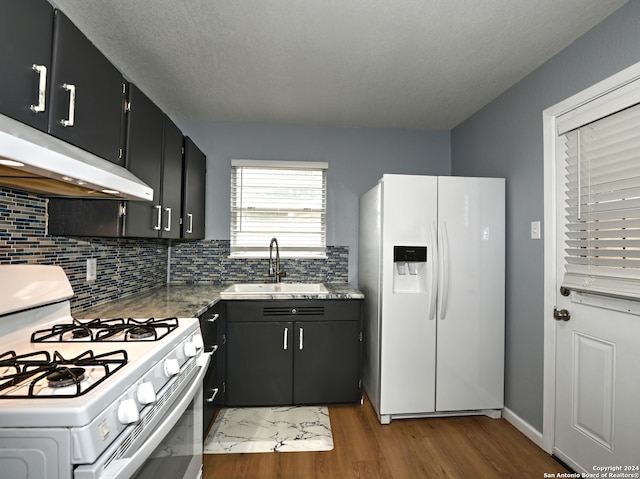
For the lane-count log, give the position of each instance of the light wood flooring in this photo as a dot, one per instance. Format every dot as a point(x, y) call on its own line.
point(460, 447)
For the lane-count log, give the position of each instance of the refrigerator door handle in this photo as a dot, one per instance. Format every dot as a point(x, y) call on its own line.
point(434, 272)
point(443, 247)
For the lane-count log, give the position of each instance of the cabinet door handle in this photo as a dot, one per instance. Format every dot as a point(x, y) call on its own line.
point(42, 88)
point(71, 117)
point(168, 227)
point(301, 339)
point(215, 393)
point(158, 209)
point(190, 229)
point(286, 339)
point(213, 318)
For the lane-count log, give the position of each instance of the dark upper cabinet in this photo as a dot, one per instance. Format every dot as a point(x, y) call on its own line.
point(155, 155)
point(171, 188)
point(193, 191)
point(26, 29)
point(87, 94)
point(145, 125)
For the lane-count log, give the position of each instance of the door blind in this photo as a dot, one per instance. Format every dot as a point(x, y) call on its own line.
point(283, 200)
point(602, 252)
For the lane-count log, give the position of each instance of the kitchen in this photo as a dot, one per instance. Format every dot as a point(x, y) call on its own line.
point(502, 139)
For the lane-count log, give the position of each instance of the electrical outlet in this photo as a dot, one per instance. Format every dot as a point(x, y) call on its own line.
point(535, 230)
point(92, 266)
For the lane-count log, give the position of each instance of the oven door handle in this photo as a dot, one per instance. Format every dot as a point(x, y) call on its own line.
point(125, 467)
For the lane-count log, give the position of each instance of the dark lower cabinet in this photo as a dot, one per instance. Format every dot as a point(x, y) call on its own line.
point(326, 362)
point(293, 352)
point(212, 325)
point(260, 366)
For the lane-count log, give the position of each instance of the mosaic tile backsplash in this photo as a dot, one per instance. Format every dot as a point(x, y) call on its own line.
point(124, 266)
point(209, 261)
point(127, 265)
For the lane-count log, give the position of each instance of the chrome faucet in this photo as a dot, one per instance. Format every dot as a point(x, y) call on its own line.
point(274, 268)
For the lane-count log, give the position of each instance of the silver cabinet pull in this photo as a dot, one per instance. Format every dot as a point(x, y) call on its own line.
point(71, 117)
point(213, 396)
point(158, 209)
point(286, 339)
point(213, 318)
point(42, 88)
point(301, 339)
point(168, 211)
point(190, 229)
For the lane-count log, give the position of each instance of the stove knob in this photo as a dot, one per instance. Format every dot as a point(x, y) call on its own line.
point(171, 367)
point(197, 341)
point(146, 394)
point(190, 349)
point(128, 412)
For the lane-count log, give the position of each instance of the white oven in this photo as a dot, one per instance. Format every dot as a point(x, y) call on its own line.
point(94, 399)
point(166, 442)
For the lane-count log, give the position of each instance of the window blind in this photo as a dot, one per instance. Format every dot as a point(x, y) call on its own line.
point(602, 252)
point(283, 200)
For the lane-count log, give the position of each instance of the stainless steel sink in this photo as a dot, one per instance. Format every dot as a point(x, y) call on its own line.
point(272, 289)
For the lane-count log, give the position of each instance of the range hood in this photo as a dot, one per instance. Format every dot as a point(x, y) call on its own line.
point(34, 161)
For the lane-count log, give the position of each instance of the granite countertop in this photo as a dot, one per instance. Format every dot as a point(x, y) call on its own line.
point(192, 300)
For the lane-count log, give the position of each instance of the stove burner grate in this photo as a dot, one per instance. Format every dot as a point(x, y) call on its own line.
point(99, 330)
point(40, 369)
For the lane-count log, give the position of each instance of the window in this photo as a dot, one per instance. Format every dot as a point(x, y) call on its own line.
point(602, 252)
point(278, 199)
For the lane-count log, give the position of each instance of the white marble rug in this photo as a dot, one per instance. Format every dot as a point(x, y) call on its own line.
point(270, 429)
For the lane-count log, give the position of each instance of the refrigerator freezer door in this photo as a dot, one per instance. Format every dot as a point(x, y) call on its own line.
point(407, 348)
point(470, 344)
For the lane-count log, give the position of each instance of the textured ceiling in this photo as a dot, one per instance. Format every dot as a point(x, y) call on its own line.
point(416, 64)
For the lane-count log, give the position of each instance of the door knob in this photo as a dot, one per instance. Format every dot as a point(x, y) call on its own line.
point(561, 314)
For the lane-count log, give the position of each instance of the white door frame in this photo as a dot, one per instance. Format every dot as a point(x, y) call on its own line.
point(549, 121)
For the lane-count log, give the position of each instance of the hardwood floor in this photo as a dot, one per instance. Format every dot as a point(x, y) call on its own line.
point(460, 447)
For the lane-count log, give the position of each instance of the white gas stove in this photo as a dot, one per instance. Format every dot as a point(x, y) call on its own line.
point(93, 398)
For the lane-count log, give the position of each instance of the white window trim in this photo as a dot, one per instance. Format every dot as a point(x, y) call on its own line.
point(262, 253)
point(626, 82)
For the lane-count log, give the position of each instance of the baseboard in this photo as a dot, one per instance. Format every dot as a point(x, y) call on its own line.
point(523, 426)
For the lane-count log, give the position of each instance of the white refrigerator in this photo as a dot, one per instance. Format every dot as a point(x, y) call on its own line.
point(431, 265)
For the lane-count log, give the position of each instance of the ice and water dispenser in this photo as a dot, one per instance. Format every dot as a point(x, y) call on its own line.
point(410, 269)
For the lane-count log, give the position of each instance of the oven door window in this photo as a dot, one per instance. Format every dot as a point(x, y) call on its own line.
point(169, 443)
point(180, 453)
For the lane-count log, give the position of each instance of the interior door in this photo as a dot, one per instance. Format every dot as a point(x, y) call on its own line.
point(597, 418)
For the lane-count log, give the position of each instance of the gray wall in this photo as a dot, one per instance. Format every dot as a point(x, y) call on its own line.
point(505, 139)
point(357, 159)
